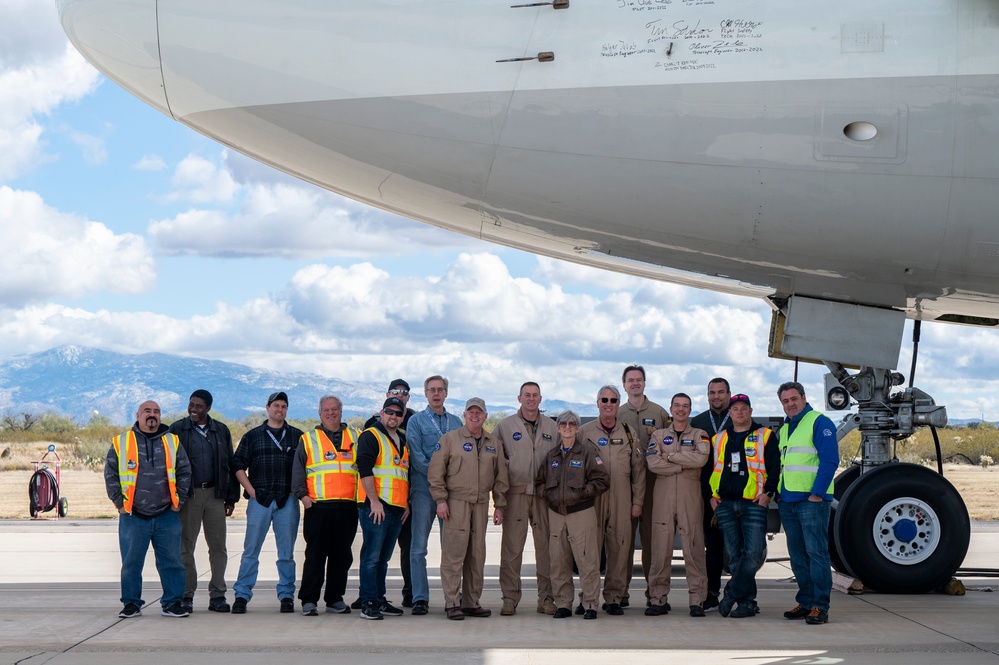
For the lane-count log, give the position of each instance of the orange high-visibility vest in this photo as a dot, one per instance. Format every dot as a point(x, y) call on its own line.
point(755, 463)
point(128, 465)
point(391, 473)
point(330, 474)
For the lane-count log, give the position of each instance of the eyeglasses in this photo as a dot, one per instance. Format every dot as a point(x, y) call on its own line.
point(739, 398)
point(612, 400)
point(393, 412)
point(436, 390)
point(399, 391)
point(572, 425)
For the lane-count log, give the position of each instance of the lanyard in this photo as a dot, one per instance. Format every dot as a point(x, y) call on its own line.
point(718, 428)
point(276, 442)
point(202, 432)
point(433, 419)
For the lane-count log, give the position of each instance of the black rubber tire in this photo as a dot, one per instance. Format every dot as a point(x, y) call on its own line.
point(841, 484)
point(869, 501)
point(63, 507)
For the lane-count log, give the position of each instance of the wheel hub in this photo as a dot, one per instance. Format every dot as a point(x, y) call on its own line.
point(906, 531)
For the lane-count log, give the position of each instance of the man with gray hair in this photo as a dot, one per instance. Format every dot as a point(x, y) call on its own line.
point(618, 448)
point(324, 478)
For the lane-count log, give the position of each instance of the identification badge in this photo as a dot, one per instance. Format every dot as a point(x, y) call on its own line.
point(734, 465)
point(576, 463)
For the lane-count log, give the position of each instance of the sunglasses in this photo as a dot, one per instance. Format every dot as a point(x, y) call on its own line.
point(393, 412)
point(612, 400)
point(740, 398)
point(399, 391)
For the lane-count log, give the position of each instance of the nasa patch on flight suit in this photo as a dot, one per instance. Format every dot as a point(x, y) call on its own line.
point(650, 422)
point(467, 446)
point(517, 436)
point(602, 441)
point(554, 463)
point(667, 440)
point(330, 455)
point(578, 463)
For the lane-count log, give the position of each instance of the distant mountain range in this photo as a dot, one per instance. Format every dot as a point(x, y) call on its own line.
point(78, 382)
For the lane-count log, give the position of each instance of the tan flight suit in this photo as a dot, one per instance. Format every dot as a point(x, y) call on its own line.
point(570, 483)
point(526, 448)
point(462, 473)
point(644, 421)
point(676, 460)
point(625, 463)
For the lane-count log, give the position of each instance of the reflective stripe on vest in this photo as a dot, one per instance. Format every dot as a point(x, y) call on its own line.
point(755, 463)
point(391, 473)
point(798, 456)
point(128, 466)
point(329, 474)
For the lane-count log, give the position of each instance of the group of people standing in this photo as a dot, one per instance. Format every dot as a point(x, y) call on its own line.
point(582, 489)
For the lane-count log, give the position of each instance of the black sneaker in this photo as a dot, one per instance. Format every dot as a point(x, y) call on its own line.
point(175, 610)
point(188, 605)
point(711, 602)
point(614, 609)
point(420, 608)
point(356, 605)
point(742, 612)
point(287, 605)
point(218, 605)
point(656, 610)
point(696, 611)
point(239, 606)
point(387, 609)
point(797, 612)
point(130, 610)
point(817, 616)
point(371, 611)
point(562, 613)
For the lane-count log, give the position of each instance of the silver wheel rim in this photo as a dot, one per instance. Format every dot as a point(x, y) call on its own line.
point(906, 531)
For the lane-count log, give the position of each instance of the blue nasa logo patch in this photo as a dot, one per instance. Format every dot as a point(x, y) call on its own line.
point(602, 441)
point(554, 463)
point(667, 440)
point(517, 436)
point(576, 463)
point(330, 455)
point(467, 446)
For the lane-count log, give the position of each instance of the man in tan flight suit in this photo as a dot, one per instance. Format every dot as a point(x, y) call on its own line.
point(466, 465)
point(675, 455)
point(526, 437)
point(618, 447)
point(644, 417)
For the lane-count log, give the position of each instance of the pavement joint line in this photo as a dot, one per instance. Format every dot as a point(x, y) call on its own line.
point(870, 602)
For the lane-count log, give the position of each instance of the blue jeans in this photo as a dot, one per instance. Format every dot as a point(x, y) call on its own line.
point(806, 524)
point(376, 550)
point(423, 512)
point(258, 522)
point(134, 536)
point(743, 525)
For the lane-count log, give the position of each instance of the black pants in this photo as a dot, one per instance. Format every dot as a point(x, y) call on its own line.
point(714, 551)
point(329, 529)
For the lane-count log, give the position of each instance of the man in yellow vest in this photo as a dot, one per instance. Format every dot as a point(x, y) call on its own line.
point(383, 503)
point(809, 453)
point(324, 478)
point(466, 466)
point(743, 483)
point(148, 476)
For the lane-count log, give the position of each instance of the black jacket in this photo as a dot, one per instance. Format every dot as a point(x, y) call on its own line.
point(570, 482)
point(226, 485)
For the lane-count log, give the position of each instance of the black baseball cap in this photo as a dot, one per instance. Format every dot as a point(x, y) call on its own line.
point(276, 396)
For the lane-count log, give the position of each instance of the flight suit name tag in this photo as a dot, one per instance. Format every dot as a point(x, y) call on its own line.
point(617, 442)
point(575, 463)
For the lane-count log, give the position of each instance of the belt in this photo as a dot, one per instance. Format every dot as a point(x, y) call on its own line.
point(205, 486)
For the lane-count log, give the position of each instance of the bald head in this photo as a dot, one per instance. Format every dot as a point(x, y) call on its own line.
point(148, 417)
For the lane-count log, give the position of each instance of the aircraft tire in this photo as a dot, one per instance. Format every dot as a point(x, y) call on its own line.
point(842, 483)
point(902, 528)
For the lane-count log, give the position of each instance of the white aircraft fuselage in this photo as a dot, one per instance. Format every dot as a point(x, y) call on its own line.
point(846, 151)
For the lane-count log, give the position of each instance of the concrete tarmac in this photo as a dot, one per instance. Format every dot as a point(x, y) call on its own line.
point(59, 603)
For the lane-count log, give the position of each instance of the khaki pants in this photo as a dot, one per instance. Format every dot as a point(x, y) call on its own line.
point(615, 529)
point(573, 536)
point(682, 508)
point(463, 552)
point(202, 508)
point(644, 527)
point(521, 510)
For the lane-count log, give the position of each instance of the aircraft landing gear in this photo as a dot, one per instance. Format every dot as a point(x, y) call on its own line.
point(899, 528)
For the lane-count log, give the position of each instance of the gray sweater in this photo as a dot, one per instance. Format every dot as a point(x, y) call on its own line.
point(152, 489)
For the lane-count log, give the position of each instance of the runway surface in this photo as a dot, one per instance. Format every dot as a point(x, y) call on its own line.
point(59, 603)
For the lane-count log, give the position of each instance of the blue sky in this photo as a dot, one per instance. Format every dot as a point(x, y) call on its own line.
point(127, 231)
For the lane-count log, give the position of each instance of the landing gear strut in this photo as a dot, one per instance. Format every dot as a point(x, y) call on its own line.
point(899, 528)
